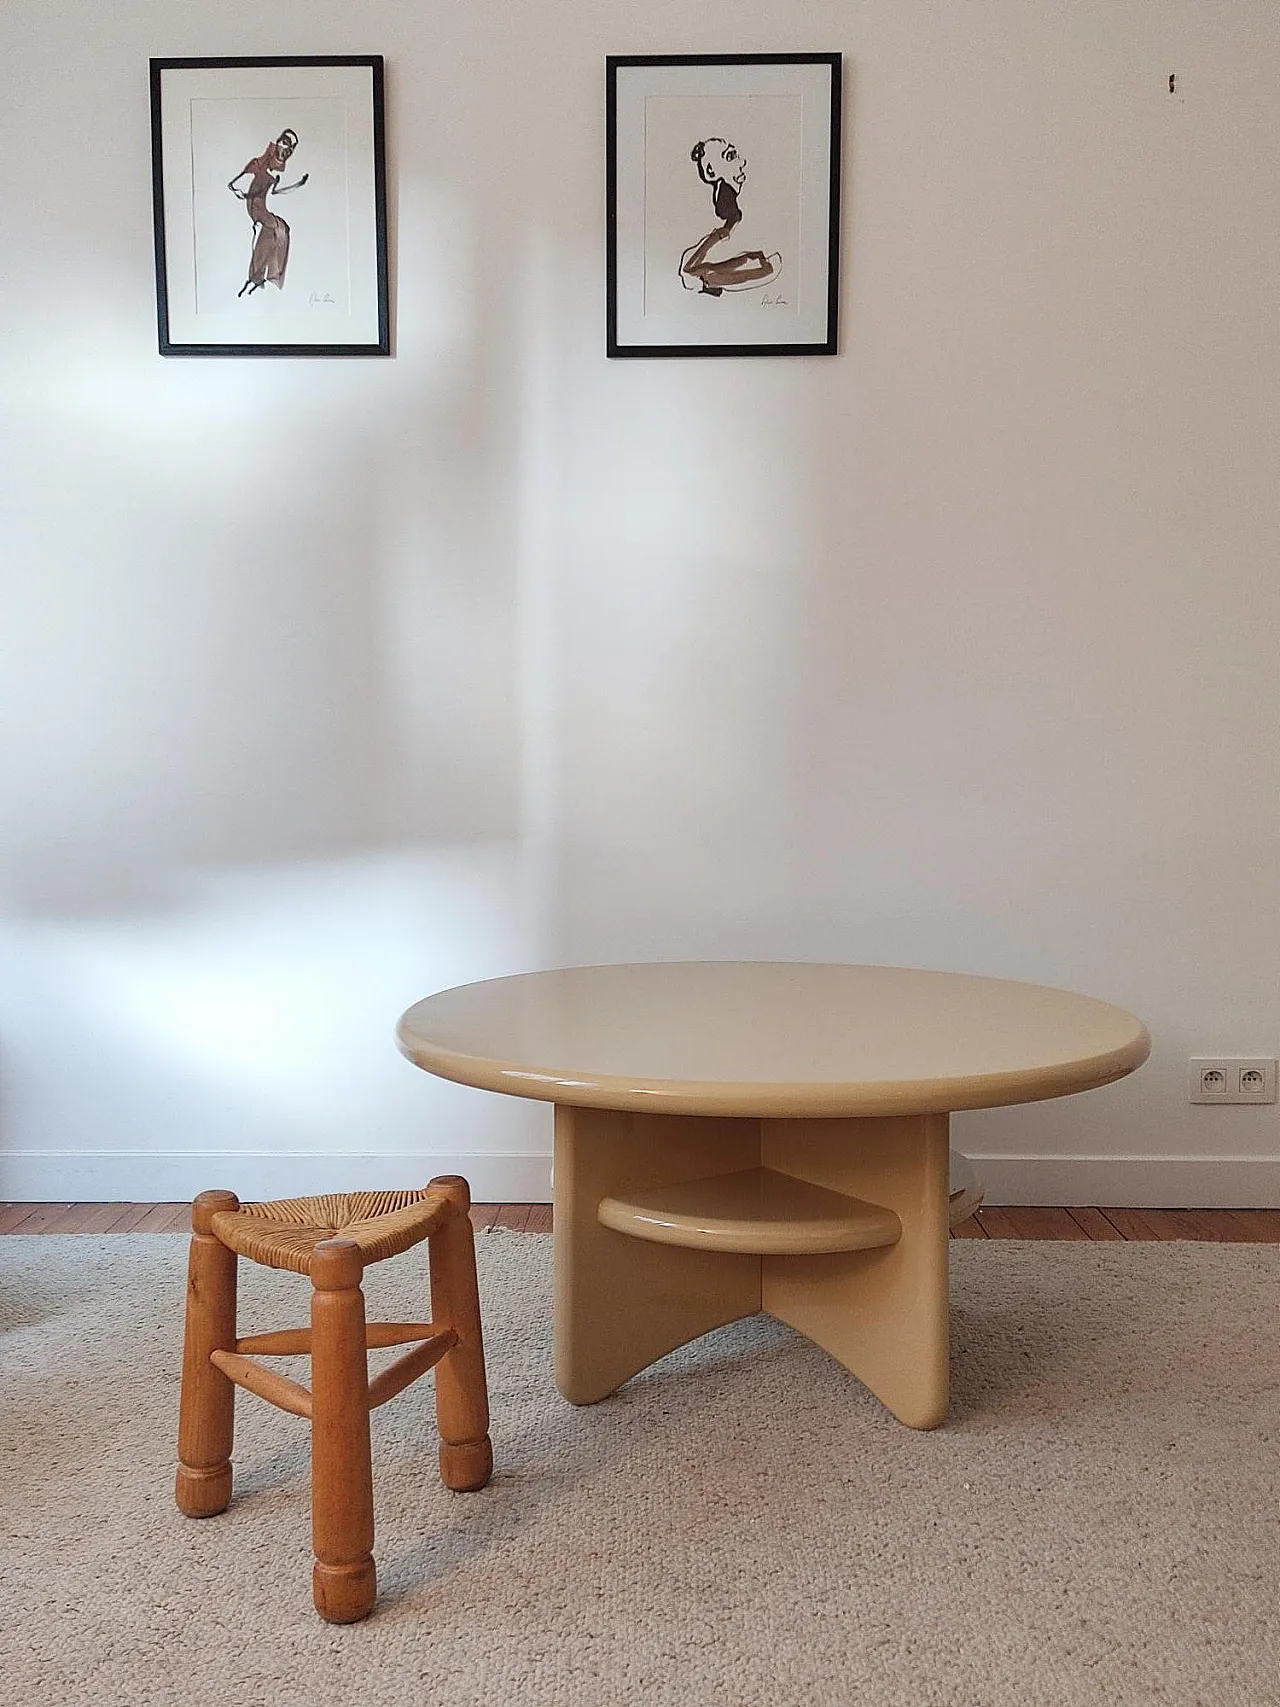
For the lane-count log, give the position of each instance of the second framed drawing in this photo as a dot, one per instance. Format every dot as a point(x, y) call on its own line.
point(723, 204)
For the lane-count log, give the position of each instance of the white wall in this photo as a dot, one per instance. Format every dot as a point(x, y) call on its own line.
point(330, 683)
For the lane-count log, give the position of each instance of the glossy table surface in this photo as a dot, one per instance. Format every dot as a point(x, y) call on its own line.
point(773, 1039)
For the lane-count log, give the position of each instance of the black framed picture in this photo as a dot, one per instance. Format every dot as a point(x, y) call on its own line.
point(270, 205)
point(723, 204)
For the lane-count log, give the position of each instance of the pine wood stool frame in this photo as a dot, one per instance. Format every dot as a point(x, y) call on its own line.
point(293, 1235)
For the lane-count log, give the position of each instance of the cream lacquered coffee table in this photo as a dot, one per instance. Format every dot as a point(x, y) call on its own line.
point(732, 1137)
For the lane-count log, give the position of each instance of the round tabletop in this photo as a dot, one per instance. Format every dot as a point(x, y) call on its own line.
point(771, 1038)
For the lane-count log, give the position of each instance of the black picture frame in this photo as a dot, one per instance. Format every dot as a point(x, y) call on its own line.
point(675, 326)
point(192, 321)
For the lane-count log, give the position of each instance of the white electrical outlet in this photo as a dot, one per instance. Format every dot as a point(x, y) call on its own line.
point(1231, 1078)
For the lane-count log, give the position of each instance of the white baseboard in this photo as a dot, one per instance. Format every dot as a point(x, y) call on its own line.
point(51, 1176)
point(1135, 1182)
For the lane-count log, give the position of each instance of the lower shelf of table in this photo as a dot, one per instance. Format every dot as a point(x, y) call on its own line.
point(757, 1211)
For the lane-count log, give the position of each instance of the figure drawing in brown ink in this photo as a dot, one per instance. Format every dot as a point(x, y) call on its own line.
point(722, 167)
point(270, 255)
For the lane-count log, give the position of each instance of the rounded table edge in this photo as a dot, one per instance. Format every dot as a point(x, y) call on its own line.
point(886, 1099)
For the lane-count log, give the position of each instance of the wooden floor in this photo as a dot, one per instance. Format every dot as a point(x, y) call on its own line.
point(1229, 1226)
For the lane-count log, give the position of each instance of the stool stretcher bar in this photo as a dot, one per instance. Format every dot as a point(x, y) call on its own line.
point(296, 1342)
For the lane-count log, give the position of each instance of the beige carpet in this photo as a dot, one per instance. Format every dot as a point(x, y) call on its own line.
point(1099, 1522)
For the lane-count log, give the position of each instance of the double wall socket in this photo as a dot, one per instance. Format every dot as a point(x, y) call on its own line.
point(1232, 1078)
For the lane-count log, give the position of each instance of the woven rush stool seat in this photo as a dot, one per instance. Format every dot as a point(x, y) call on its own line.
point(331, 1240)
point(284, 1234)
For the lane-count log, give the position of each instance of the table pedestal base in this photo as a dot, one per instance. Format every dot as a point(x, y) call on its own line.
point(624, 1299)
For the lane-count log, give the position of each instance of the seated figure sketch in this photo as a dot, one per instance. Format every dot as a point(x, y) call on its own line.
point(270, 253)
point(722, 167)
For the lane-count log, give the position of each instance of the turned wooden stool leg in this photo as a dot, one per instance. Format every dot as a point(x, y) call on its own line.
point(462, 1395)
point(344, 1580)
point(206, 1420)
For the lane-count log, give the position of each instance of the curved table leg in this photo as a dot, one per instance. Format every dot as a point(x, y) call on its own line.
point(622, 1303)
point(882, 1313)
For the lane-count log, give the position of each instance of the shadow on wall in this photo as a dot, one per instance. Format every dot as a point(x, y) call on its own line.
point(260, 761)
point(254, 1011)
point(212, 650)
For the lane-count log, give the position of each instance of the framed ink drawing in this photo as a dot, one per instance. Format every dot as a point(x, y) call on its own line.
point(269, 195)
point(723, 204)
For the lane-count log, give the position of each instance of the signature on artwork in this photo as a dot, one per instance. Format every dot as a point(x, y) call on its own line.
point(316, 300)
point(773, 302)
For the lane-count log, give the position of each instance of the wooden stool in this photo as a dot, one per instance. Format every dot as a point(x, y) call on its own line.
point(332, 1239)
